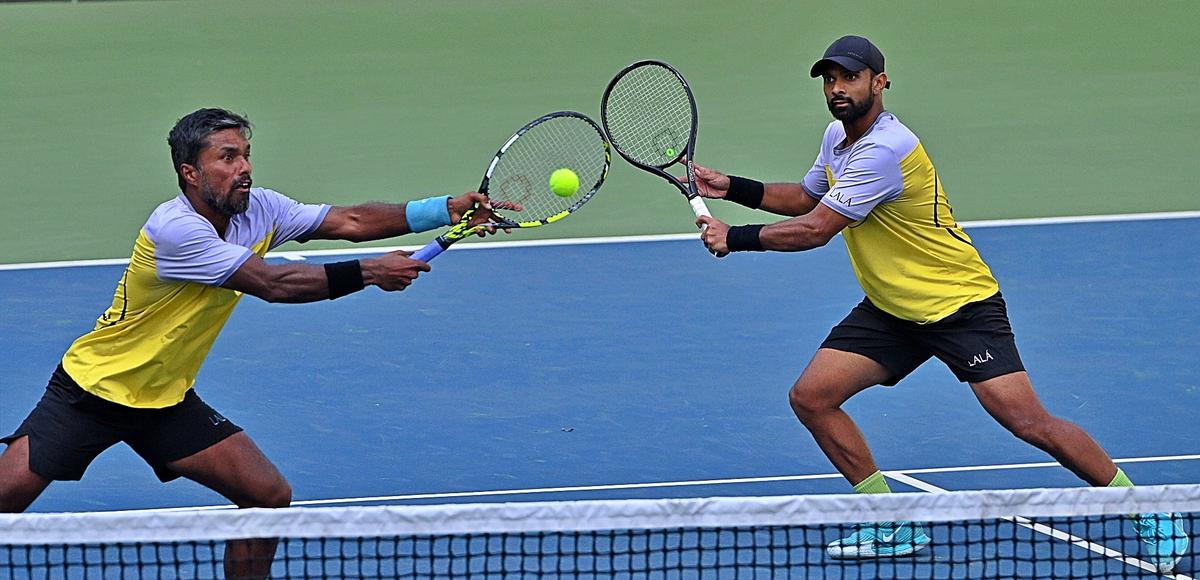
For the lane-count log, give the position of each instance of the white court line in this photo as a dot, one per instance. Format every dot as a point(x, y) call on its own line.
point(302, 255)
point(1083, 219)
point(1041, 464)
point(1044, 529)
point(649, 485)
point(371, 250)
point(526, 491)
point(65, 264)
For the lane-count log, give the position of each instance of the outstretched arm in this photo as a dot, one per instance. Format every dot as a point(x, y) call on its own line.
point(309, 282)
point(361, 223)
point(375, 221)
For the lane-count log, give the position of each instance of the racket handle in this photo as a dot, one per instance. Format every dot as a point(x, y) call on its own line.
point(699, 208)
point(429, 252)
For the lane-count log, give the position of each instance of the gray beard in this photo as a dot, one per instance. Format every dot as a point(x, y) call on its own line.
point(227, 205)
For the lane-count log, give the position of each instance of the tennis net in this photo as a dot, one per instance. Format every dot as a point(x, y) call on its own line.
point(1040, 533)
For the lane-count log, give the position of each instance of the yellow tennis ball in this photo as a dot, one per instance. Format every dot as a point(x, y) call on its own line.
point(564, 182)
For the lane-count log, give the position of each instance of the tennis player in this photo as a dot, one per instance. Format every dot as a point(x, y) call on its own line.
point(928, 294)
point(130, 379)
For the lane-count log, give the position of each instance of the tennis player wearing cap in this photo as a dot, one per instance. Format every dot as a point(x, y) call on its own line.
point(928, 294)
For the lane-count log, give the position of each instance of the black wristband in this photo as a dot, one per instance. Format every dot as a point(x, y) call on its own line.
point(744, 239)
point(344, 278)
point(745, 191)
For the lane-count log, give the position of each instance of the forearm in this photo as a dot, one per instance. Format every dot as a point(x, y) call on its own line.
point(369, 221)
point(793, 235)
point(811, 230)
point(284, 283)
point(788, 199)
point(375, 221)
point(298, 283)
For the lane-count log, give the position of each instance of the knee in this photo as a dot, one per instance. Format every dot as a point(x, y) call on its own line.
point(805, 401)
point(1032, 430)
point(276, 494)
point(280, 495)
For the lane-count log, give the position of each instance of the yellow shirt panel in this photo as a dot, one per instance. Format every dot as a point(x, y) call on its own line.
point(147, 348)
point(911, 257)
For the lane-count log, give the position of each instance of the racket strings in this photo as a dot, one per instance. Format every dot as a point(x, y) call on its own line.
point(522, 174)
point(648, 115)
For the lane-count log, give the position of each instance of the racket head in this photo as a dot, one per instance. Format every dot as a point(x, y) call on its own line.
point(520, 171)
point(649, 115)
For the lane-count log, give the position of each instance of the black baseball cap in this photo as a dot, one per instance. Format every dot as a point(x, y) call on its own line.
point(852, 52)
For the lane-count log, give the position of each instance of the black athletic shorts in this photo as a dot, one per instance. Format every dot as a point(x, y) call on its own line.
point(69, 427)
point(976, 342)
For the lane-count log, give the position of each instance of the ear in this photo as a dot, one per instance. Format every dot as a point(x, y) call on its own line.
point(190, 174)
point(880, 83)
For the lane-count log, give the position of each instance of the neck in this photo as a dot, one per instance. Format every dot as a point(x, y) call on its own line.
point(219, 220)
point(857, 128)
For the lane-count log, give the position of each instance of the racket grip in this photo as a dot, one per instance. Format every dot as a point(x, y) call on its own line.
point(699, 208)
point(429, 252)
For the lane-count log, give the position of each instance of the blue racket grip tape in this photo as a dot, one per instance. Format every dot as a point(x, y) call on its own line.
point(429, 252)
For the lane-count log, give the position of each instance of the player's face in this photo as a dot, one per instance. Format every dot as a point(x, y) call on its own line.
point(848, 94)
point(224, 170)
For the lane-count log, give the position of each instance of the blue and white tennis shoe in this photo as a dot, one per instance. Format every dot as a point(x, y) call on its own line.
point(1164, 541)
point(880, 540)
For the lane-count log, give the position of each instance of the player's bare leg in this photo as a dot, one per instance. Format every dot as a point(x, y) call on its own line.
point(832, 377)
point(1011, 401)
point(236, 469)
point(19, 486)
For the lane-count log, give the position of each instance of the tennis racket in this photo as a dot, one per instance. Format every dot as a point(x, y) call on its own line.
point(649, 115)
point(520, 172)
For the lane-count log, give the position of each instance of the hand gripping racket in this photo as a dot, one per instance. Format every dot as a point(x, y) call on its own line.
point(520, 172)
point(649, 115)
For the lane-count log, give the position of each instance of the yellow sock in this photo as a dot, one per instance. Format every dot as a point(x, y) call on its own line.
point(874, 483)
point(1120, 479)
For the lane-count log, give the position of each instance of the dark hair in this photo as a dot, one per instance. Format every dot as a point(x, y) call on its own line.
point(190, 135)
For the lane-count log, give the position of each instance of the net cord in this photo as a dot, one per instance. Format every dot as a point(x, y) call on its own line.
point(131, 526)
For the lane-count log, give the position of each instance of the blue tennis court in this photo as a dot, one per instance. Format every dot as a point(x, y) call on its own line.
point(526, 370)
point(646, 369)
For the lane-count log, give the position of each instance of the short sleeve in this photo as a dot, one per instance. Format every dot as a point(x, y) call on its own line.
point(872, 176)
point(816, 181)
point(187, 249)
point(292, 220)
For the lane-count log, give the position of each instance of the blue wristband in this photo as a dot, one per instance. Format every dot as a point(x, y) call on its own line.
point(427, 214)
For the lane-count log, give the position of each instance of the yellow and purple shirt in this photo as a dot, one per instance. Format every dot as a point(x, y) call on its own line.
point(910, 256)
point(169, 306)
